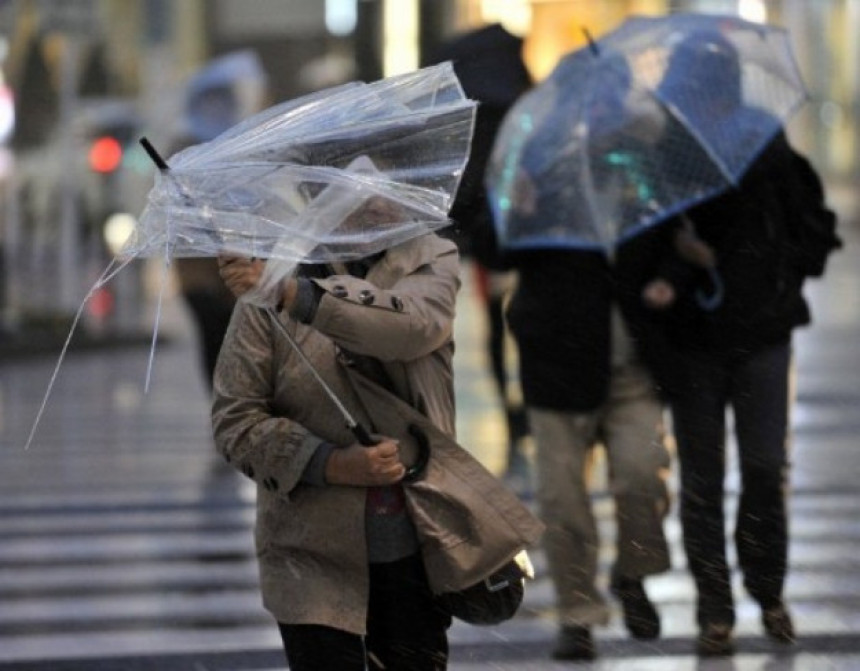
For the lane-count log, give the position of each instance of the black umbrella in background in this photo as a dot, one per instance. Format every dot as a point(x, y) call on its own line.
point(489, 64)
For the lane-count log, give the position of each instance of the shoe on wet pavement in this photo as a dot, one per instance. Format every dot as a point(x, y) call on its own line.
point(574, 643)
point(715, 640)
point(640, 615)
point(778, 625)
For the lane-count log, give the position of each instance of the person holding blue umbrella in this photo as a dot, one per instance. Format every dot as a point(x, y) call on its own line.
point(582, 370)
point(694, 172)
point(764, 237)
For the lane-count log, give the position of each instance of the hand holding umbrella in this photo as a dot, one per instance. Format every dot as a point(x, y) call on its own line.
point(659, 294)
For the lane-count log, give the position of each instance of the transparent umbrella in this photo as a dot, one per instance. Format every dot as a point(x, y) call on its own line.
point(282, 183)
point(336, 175)
point(656, 116)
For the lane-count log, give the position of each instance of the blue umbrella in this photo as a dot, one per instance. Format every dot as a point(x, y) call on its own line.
point(656, 116)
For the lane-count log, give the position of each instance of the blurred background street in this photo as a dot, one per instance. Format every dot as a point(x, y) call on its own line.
point(125, 542)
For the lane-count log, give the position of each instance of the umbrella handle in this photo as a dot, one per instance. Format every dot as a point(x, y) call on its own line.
point(711, 302)
point(361, 435)
point(415, 470)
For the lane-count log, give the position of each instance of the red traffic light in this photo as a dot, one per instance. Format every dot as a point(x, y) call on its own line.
point(105, 154)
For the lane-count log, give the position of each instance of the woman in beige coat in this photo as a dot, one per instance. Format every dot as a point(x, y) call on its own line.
point(340, 565)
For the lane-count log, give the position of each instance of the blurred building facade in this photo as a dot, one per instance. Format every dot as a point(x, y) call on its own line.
point(64, 58)
point(147, 48)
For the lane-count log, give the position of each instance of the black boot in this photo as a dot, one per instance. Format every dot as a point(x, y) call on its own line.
point(574, 643)
point(640, 615)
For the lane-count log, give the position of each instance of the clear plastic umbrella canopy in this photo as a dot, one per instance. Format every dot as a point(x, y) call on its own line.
point(337, 174)
point(654, 117)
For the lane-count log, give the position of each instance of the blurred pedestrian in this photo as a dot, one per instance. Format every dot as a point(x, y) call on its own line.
point(494, 289)
point(585, 385)
point(761, 240)
point(218, 96)
point(583, 377)
point(489, 64)
point(210, 304)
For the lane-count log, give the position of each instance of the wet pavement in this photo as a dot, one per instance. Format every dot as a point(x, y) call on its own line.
point(125, 543)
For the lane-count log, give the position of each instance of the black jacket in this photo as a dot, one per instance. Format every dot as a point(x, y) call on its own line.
point(560, 318)
point(769, 234)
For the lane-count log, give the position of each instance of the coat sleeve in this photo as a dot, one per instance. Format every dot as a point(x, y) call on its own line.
point(271, 450)
point(812, 224)
point(409, 319)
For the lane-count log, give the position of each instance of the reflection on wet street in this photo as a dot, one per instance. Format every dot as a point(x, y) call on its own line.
point(125, 543)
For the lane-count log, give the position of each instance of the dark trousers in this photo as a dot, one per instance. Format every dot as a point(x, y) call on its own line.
point(406, 631)
point(756, 388)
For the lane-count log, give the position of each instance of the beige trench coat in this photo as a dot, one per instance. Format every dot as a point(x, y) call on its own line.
point(269, 414)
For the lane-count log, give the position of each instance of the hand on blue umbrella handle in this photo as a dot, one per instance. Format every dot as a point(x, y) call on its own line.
point(659, 294)
point(710, 302)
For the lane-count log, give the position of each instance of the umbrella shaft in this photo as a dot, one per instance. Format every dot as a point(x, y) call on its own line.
point(353, 425)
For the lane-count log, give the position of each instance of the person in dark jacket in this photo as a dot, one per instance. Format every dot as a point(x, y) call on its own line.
point(584, 384)
point(220, 94)
point(583, 377)
point(729, 346)
point(766, 236)
point(489, 64)
point(582, 369)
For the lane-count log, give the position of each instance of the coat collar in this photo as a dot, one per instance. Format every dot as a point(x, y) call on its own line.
point(407, 257)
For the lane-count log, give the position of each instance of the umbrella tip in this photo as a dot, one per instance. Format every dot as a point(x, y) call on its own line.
point(160, 163)
point(595, 50)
